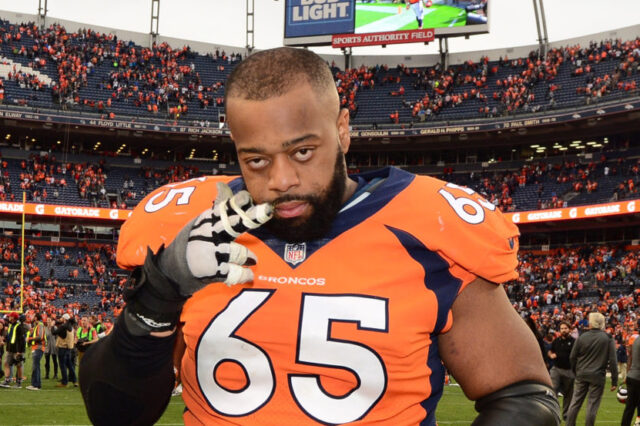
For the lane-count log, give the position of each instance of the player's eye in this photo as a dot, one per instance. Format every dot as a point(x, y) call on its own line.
point(256, 163)
point(303, 154)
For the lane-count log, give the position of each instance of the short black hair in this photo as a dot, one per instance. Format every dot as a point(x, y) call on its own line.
point(271, 73)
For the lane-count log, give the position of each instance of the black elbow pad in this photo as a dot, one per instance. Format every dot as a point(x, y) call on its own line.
point(524, 403)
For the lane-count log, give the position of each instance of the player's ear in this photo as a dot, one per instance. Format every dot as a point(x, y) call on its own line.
point(344, 138)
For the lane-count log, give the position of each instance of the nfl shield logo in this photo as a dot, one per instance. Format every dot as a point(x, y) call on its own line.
point(295, 253)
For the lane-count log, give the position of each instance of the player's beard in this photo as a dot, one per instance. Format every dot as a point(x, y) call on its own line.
point(324, 209)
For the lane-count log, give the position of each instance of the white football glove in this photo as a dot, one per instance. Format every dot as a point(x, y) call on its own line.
point(212, 254)
point(207, 243)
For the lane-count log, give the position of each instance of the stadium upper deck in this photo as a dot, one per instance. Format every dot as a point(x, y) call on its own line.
point(93, 72)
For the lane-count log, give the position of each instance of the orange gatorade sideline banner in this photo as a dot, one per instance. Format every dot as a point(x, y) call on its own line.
point(548, 215)
point(578, 212)
point(64, 211)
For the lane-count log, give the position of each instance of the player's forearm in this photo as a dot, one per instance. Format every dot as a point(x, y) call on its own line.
point(127, 379)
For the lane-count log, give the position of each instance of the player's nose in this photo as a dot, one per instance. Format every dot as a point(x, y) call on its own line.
point(283, 175)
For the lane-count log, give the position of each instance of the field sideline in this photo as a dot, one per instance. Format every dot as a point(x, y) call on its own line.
point(64, 406)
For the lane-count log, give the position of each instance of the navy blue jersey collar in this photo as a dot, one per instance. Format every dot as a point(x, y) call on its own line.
point(395, 180)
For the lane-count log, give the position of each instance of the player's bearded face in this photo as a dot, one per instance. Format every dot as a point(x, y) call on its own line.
point(324, 208)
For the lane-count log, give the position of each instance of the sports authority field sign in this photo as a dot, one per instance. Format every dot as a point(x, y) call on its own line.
point(375, 39)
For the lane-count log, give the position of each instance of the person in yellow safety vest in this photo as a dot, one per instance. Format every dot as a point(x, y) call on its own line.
point(86, 336)
point(101, 330)
point(15, 344)
point(37, 341)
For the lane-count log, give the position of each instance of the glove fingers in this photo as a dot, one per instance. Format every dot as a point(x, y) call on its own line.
point(210, 229)
point(252, 216)
point(241, 255)
point(237, 274)
point(259, 214)
point(224, 192)
point(211, 253)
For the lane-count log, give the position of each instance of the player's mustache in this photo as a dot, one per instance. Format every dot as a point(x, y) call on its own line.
point(292, 197)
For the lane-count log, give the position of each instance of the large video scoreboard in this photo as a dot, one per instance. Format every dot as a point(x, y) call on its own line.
point(365, 22)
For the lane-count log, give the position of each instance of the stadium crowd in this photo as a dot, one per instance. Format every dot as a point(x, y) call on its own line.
point(552, 182)
point(164, 80)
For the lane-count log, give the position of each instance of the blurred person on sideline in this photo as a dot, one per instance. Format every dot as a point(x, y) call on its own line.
point(37, 342)
point(15, 344)
point(562, 375)
point(593, 353)
point(65, 340)
point(50, 351)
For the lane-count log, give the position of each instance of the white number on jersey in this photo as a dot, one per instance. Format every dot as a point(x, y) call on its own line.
point(459, 203)
point(184, 195)
point(219, 344)
point(316, 347)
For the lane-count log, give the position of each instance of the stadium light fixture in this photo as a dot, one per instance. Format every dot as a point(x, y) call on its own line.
point(8, 136)
point(598, 145)
point(564, 148)
point(592, 143)
point(534, 146)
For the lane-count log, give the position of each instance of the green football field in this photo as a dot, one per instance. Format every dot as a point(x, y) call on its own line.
point(63, 406)
point(381, 17)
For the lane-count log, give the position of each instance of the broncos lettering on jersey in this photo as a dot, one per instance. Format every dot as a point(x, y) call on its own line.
point(338, 330)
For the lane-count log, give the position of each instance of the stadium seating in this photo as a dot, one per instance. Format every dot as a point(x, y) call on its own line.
point(548, 183)
point(145, 76)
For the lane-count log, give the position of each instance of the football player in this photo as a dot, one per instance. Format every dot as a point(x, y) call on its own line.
point(418, 9)
point(307, 296)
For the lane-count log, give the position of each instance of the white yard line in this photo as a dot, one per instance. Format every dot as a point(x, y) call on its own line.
point(456, 19)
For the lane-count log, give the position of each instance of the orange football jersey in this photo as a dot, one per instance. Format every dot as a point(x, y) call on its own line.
point(342, 329)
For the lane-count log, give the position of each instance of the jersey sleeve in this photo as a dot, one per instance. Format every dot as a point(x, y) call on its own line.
point(158, 218)
point(469, 231)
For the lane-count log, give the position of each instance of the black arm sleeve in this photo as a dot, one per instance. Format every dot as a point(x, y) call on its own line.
point(126, 379)
point(524, 403)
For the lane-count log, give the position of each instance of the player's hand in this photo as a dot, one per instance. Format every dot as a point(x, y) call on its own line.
point(613, 388)
point(212, 254)
point(204, 251)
